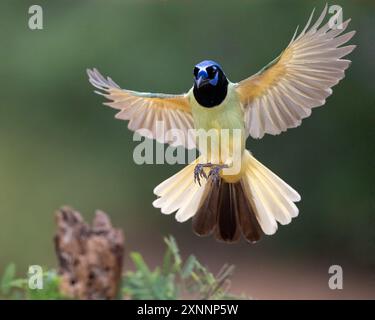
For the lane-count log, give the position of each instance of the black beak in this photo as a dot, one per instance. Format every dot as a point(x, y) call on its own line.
point(201, 81)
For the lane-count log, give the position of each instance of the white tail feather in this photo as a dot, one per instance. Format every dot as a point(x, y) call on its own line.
point(273, 198)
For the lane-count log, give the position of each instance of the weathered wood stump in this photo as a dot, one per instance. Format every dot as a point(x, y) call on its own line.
point(90, 257)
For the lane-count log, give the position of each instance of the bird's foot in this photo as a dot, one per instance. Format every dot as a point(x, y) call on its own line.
point(214, 173)
point(199, 172)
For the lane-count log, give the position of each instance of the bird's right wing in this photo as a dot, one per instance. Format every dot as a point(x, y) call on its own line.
point(156, 112)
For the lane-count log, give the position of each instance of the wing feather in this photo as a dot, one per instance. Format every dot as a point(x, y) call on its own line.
point(143, 110)
point(283, 93)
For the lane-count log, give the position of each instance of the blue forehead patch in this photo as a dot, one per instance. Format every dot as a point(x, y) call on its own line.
point(207, 63)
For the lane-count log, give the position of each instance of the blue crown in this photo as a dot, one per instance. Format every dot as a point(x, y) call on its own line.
point(207, 63)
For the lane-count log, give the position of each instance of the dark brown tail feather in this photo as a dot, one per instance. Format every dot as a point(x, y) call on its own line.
point(226, 210)
point(250, 227)
point(204, 220)
point(227, 228)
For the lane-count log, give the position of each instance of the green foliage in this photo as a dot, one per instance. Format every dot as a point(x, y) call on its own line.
point(7, 279)
point(176, 278)
point(18, 288)
point(50, 290)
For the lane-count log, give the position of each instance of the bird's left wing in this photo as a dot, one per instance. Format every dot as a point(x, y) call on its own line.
point(155, 112)
point(283, 93)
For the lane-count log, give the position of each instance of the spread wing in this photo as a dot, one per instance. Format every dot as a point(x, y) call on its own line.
point(283, 93)
point(155, 112)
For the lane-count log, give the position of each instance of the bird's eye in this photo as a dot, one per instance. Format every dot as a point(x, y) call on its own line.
point(196, 70)
point(211, 71)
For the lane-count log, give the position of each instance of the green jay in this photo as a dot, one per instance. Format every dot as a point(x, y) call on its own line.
point(252, 200)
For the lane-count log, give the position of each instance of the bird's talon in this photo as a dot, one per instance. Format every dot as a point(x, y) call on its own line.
point(199, 173)
point(214, 173)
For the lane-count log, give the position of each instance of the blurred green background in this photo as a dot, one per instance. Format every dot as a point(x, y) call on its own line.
point(59, 145)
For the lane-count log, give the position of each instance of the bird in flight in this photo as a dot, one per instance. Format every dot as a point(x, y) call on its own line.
point(253, 200)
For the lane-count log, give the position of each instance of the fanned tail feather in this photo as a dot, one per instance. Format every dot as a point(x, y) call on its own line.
point(251, 207)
